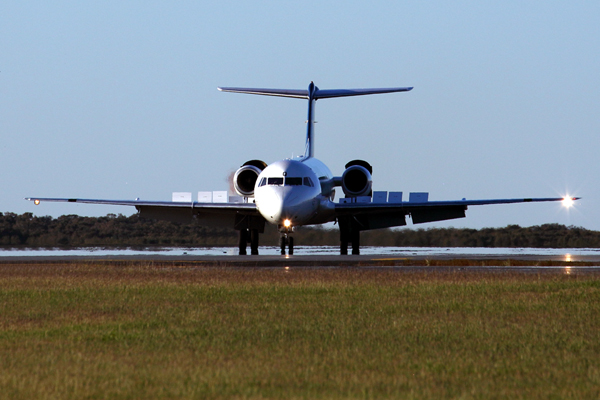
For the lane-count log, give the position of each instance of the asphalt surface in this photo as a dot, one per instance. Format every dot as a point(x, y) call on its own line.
point(460, 262)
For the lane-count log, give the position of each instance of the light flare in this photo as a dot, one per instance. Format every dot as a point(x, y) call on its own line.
point(568, 270)
point(567, 201)
point(287, 223)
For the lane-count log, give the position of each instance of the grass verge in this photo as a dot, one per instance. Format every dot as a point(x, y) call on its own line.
point(144, 331)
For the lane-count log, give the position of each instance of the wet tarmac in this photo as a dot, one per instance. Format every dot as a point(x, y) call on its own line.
point(539, 263)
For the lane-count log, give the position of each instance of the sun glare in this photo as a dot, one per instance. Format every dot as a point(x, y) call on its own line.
point(567, 201)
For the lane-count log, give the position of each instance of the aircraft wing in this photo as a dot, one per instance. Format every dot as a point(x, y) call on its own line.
point(385, 215)
point(209, 214)
point(144, 203)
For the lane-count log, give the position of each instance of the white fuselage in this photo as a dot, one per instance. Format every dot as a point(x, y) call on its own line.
point(291, 190)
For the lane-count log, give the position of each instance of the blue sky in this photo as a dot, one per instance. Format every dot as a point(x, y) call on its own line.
point(118, 99)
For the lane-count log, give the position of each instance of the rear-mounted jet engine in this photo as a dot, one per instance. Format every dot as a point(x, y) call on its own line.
point(356, 179)
point(245, 178)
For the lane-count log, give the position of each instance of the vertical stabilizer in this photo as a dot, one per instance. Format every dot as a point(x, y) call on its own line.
point(310, 122)
point(313, 94)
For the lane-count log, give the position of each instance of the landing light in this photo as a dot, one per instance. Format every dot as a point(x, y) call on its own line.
point(287, 223)
point(36, 202)
point(567, 202)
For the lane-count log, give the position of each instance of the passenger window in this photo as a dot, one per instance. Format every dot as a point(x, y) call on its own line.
point(275, 181)
point(293, 181)
point(308, 182)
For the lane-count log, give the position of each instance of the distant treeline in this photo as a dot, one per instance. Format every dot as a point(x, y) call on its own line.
point(26, 230)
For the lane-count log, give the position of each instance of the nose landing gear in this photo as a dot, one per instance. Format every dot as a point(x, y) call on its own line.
point(286, 238)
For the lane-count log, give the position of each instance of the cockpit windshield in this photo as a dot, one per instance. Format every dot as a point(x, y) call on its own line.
point(289, 181)
point(275, 181)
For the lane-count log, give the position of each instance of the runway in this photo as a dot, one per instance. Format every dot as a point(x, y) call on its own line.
point(409, 261)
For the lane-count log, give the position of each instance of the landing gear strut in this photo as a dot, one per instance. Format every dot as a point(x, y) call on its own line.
point(243, 241)
point(286, 240)
point(254, 242)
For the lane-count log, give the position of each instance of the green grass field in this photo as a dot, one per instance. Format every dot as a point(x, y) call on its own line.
point(150, 331)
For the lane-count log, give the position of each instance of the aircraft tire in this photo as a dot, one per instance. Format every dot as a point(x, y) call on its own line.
point(282, 245)
point(254, 242)
point(355, 242)
point(344, 248)
point(243, 242)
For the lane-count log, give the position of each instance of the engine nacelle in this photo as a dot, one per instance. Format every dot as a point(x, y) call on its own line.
point(245, 178)
point(356, 179)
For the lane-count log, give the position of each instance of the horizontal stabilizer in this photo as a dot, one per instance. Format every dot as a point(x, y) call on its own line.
point(317, 94)
point(298, 94)
point(326, 94)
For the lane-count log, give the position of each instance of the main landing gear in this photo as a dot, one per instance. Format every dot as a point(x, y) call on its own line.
point(352, 237)
point(250, 226)
point(245, 236)
point(349, 233)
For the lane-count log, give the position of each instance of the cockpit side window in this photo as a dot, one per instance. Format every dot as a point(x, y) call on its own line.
point(293, 181)
point(263, 182)
point(275, 181)
point(308, 182)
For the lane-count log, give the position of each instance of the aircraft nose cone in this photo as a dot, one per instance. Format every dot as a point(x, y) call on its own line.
point(280, 204)
point(290, 203)
point(271, 206)
point(296, 206)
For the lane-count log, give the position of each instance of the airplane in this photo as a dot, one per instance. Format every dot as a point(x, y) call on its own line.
point(296, 192)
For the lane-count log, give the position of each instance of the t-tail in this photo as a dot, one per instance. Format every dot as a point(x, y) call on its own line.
point(312, 94)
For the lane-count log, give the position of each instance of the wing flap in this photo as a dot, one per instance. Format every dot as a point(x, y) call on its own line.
point(437, 214)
